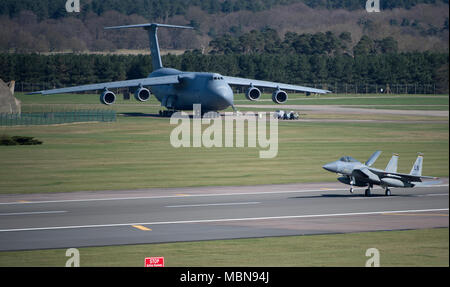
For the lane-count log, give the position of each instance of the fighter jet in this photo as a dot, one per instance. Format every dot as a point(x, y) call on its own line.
point(177, 90)
point(355, 173)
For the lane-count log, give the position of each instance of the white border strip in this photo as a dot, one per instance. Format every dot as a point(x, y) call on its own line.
point(170, 196)
point(191, 195)
point(33, 213)
point(214, 204)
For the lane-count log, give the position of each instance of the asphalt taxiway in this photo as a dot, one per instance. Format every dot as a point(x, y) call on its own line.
point(357, 110)
point(63, 220)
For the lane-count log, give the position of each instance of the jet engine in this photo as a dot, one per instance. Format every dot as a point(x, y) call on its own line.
point(142, 94)
point(253, 94)
point(107, 98)
point(279, 97)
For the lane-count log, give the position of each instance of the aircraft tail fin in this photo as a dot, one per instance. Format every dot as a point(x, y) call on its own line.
point(373, 158)
point(417, 167)
point(154, 46)
point(393, 163)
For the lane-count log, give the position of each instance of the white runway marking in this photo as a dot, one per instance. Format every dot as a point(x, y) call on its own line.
point(191, 195)
point(224, 220)
point(33, 213)
point(400, 196)
point(214, 204)
point(168, 196)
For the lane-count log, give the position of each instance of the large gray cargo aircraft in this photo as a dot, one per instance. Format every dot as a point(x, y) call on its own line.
point(355, 173)
point(177, 90)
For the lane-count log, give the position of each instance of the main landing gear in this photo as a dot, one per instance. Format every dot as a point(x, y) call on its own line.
point(169, 113)
point(388, 192)
point(166, 113)
point(368, 191)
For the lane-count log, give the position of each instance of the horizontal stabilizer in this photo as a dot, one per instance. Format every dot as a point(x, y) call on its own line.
point(154, 45)
point(427, 183)
point(149, 25)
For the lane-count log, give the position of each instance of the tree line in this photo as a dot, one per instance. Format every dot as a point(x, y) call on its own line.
point(30, 31)
point(157, 9)
point(328, 43)
point(70, 69)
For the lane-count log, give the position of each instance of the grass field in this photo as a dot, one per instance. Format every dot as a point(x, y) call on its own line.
point(427, 247)
point(135, 152)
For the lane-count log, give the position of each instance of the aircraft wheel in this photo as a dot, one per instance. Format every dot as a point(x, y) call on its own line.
point(367, 192)
point(351, 189)
point(388, 192)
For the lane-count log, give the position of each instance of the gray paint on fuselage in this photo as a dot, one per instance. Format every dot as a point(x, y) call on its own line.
point(207, 89)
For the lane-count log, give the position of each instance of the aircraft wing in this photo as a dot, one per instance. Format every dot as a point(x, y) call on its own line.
point(266, 84)
point(402, 176)
point(365, 173)
point(164, 80)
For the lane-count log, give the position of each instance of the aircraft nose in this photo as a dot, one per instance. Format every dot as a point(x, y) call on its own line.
point(227, 96)
point(332, 166)
point(223, 95)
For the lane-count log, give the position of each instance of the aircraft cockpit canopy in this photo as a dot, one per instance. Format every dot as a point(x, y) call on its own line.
point(347, 159)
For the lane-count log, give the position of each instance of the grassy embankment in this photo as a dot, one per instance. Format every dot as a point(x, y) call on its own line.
point(426, 247)
point(135, 152)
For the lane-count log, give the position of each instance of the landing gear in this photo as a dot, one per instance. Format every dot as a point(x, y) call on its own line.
point(388, 192)
point(210, 115)
point(352, 182)
point(166, 113)
point(368, 191)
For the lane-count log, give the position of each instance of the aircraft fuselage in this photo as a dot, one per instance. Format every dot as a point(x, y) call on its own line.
point(207, 89)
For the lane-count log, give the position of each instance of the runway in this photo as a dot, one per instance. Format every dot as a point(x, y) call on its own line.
point(63, 220)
